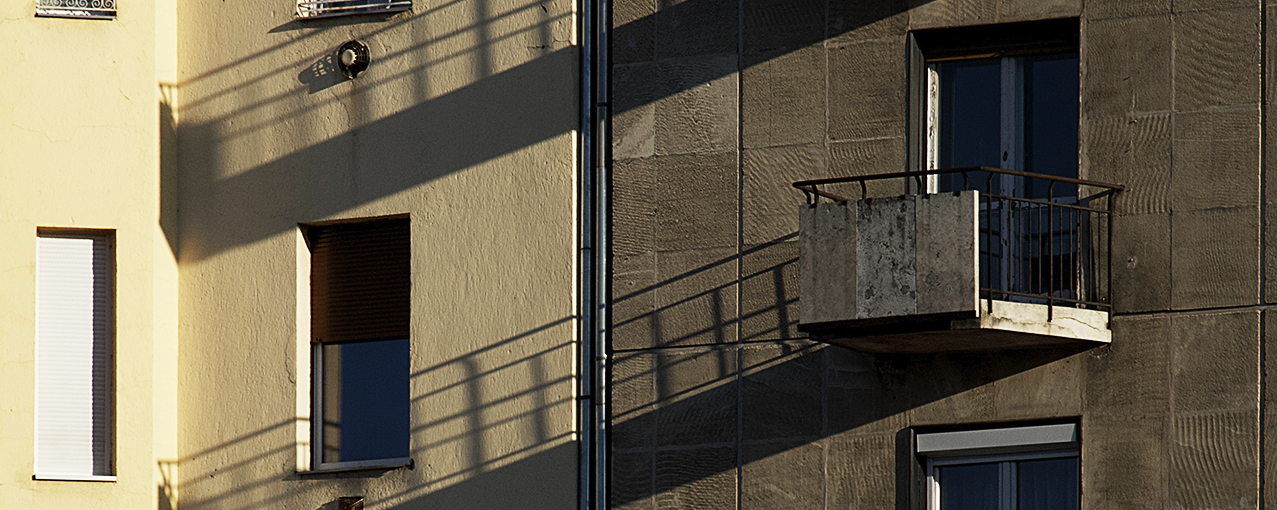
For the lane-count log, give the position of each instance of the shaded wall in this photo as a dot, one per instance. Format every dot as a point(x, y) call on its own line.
point(719, 402)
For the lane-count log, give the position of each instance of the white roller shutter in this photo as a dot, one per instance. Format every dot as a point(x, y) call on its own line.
point(74, 356)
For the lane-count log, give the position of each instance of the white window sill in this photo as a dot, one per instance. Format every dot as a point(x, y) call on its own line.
point(73, 478)
point(319, 11)
point(361, 465)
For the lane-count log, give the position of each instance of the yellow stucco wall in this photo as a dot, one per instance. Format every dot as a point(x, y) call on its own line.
point(79, 148)
point(466, 120)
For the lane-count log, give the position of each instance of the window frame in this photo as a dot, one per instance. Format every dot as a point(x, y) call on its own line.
point(1004, 445)
point(318, 9)
point(317, 465)
point(109, 470)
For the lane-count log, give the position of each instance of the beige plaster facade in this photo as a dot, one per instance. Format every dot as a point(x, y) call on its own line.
point(203, 134)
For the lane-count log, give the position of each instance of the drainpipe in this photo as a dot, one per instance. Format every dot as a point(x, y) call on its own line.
point(593, 223)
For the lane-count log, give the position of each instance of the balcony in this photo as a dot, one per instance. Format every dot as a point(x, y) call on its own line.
point(1000, 260)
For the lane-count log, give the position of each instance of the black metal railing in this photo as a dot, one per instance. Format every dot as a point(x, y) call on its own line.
point(1043, 238)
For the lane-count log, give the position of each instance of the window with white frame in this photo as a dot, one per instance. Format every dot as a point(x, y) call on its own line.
point(360, 285)
point(1014, 468)
point(329, 8)
point(84, 9)
point(74, 355)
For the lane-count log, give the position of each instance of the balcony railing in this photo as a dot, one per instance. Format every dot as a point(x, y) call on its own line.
point(84, 9)
point(1043, 239)
point(329, 8)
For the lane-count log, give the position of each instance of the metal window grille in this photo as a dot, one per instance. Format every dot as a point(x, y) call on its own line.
point(83, 9)
point(329, 8)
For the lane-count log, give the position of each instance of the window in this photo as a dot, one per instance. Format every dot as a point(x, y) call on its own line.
point(74, 355)
point(360, 283)
point(1018, 468)
point(1006, 96)
point(85, 9)
point(328, 8)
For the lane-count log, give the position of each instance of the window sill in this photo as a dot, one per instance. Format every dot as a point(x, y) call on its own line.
point(320, 12)
point(362, 465)
point(73, 478)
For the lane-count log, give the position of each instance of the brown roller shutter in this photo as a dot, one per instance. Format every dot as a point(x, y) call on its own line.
point(360, 281)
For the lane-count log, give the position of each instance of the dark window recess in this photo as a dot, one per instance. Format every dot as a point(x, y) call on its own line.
point(360, 281)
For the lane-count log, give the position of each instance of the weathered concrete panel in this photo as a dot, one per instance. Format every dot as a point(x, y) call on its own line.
point(783, 475)
point(947, 256)
point(1215, 362)
point(1214, 461)
point(783, 97)
point(857, 21)
point(1216, 58)
point(696, 201)
point(778, 401)
point(947, 13)
point(868, 157)
point(863, 103)
point(1131, 377)
point(633, 400)
point(1215, 258)
point(1053, 389)
point(773, 24)
point(1103, 9)
point(697, 392)
point(1135, 151)
point(1127, 66)
point(699, 479)
point(634, 200)
point(862, 472)
point(827, 258)
point(769, 292)
point(696, 109)
point(690, 27)
point(1125, 462)
point(886, 279)
point(1216, 161)
point(1141, 262)
point(633, 31)
point(633, 301)
point(1024, 10)
point(632, 480)
point(696, 297)
point(768, 199)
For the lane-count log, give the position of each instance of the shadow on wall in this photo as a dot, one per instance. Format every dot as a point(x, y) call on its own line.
point(510, 441)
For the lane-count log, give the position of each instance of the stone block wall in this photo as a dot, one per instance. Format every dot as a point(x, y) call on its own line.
point(720, 403)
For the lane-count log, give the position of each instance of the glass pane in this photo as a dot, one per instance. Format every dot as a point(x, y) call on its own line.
point(365, 401)
point(970, 120)
point(968, 487)
point(1050, 118)
point(1050, 484)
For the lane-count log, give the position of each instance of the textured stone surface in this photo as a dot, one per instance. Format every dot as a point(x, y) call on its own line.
point(778, 401)
point(886, 281)
point(947, 253)
point(1133, 151)
point(1141, 262)
point(770, 204)
point(1216, 159)
point(696, 27)
point(696, 105)
point(696, 298)
point(703, 478)
point(1022, 10)
point(769, 292)
point(1100, 9)
point(634, 200)
point(1214, 460)
point(849, 21)
point(1215, 362)
point(633, 400)
point(1128, 66)
point(632, 479)
point(697, 392)
point(772, 24)
point(1131, 376)
point(783, 475)
point(868, 157)
point(862, 472)
point(783, 97)
point(633, 31)
point(1215, 258)
point(1216, 58)
point(827, 261)
point(866, 104)
point(946, 13)
point(696, 201)
point(633, 301)
point(1053, 389)
point(1125, 462)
